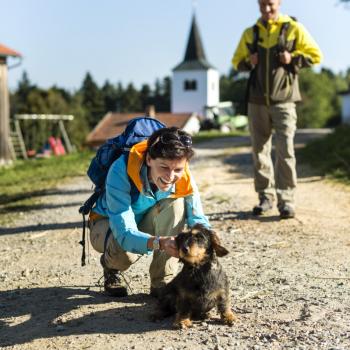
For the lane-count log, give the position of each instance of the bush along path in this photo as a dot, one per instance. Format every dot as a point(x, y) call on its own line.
point(289, 279)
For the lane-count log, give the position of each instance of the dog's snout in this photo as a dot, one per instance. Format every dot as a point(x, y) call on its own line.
point(185, 249)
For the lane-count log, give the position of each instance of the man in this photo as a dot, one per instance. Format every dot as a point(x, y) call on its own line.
point(274, 50)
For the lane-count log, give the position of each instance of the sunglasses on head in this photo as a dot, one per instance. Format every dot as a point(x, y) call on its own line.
point(168, 138)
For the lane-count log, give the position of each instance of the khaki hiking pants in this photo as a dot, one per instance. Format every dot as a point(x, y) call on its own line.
point(167, 218)
point(280, 179)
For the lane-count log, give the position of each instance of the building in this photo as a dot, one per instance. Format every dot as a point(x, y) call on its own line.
point(5, 150)
point(113, 124)
point(195, 82)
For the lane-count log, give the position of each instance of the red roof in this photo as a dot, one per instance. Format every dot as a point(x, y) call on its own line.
point(6, 51)
point(114, 124)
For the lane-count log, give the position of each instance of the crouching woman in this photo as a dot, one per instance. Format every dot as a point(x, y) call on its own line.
point(150, 196)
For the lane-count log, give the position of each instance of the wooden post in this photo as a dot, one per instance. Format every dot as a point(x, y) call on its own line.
point(5, 154)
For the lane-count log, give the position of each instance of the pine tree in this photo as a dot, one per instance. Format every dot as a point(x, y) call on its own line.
point(92, 100)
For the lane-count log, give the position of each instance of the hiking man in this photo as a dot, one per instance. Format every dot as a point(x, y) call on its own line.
point(150, 195)
point(274, 50)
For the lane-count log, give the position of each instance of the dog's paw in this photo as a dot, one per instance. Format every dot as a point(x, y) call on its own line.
point(229, 317)
point(183, 323)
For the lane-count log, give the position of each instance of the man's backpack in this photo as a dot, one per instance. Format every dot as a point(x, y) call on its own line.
point(282, 40)
point(281, 37)
point(137, 130)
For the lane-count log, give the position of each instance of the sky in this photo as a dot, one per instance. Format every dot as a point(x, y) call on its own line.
point(139, 41)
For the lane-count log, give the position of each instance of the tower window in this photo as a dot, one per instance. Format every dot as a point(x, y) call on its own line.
point(190, 85)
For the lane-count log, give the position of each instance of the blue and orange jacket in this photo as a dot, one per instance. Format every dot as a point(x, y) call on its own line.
point(125, 210)
point(272, 81)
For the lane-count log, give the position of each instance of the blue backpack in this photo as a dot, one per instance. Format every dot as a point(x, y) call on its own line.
point(137, 130)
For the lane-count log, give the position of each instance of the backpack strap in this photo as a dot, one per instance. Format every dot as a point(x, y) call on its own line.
point(282, 38)
point(255, 39)
point(85, 210)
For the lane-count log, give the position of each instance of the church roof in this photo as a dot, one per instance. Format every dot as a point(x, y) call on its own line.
point(194, 56)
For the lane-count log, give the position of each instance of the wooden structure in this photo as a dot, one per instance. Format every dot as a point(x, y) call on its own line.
point(5, 148)
point(19, 149)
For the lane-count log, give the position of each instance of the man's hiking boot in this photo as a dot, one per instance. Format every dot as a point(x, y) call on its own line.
point(264, 205)
point(287, 212)
point(113, 283)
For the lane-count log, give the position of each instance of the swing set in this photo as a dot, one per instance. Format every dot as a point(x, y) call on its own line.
point(18, 146)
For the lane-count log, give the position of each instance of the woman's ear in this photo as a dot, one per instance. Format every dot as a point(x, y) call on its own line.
point(148, 159)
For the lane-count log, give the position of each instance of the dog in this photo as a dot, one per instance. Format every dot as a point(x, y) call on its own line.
point(201, 285)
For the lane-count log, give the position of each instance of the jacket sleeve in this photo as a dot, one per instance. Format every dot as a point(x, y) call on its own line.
point(121, 216)
point(307, 52)
point(241, 57)
point(194, 209)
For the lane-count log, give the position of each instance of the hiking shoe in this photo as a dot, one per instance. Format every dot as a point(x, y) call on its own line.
point(113, 283)
point(287, 212)
point(264, 205)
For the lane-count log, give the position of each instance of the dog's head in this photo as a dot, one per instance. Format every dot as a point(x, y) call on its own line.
point(199, 245)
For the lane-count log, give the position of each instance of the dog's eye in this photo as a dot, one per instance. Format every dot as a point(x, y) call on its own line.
point(201, 237)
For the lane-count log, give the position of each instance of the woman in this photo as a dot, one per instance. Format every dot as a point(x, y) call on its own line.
point(150, 196)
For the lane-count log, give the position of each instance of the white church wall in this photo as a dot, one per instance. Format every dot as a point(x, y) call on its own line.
point(346, 109)
point(193, 101)
point(213, 88)
point(188, 101)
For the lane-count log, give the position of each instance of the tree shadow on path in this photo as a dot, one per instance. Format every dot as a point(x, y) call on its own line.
point(40, 227)
point(36, 313)
point(241, 216)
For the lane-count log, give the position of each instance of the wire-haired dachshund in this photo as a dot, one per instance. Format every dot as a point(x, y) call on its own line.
point(201, 285)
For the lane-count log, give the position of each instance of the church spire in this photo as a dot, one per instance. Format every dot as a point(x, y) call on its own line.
point(194, 55)
point(194, 50)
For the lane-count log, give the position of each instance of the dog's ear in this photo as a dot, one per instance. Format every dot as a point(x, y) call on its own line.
point(219, 249)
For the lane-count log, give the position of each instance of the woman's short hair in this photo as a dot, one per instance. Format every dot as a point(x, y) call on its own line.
point(170, 143)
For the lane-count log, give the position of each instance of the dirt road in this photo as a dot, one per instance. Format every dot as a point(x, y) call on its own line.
point(289, 279)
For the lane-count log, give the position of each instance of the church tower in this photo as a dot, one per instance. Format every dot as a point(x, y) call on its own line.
point(195, 82)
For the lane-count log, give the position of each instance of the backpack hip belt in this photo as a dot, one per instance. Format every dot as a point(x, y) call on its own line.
point(95, 216)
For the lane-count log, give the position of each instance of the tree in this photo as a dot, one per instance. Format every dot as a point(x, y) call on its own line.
point(110, 97)
point(233, 88)
point(19, 100)
point(320, 102)
point(131, 101)
point(145, 96)
point(92, 100)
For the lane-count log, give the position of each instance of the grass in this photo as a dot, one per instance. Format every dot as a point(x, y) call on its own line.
point(22, 184)
point(331, 154)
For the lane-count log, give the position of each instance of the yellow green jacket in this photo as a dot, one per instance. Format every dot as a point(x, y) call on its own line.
point(271, 81)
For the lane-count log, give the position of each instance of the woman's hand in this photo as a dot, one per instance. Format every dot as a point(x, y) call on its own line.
point(169, 245)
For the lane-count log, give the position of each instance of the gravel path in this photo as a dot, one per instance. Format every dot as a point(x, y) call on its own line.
point(289, 279)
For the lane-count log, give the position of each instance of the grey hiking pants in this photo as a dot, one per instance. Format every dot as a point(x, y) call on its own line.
point(280, 179)
point(167, 218)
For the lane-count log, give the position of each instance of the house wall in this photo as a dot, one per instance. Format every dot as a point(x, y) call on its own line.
point(213, 88)
point(193, 125)
point(5, 155)
point(193, 101)
point(346, 109)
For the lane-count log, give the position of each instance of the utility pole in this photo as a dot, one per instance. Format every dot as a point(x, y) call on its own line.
point(5, 154)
